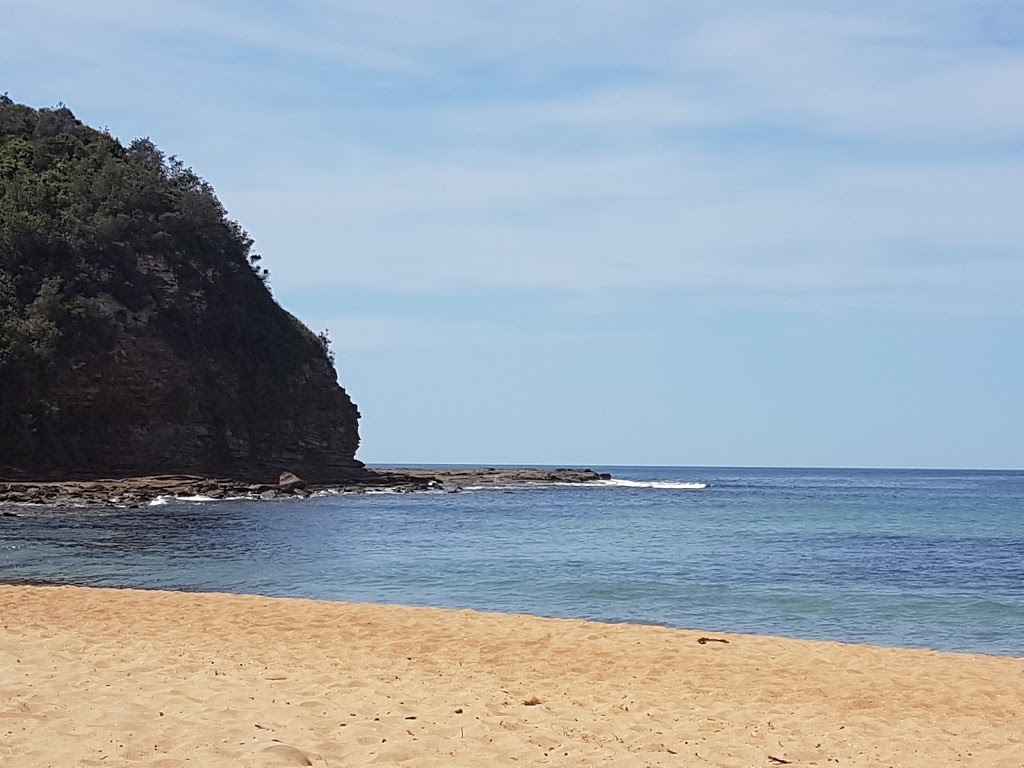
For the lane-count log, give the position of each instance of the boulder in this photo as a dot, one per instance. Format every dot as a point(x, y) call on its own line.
point(289, 481)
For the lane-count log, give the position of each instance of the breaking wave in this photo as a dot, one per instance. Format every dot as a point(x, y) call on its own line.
point(159, 501)
point(664, 484)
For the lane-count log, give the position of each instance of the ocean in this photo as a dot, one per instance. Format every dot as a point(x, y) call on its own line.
point(914, 558)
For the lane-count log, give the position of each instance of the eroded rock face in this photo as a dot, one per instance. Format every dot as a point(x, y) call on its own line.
point(137, 332)
point(151, 407)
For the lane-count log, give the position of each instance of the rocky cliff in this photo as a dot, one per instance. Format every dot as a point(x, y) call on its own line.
point(137, 332)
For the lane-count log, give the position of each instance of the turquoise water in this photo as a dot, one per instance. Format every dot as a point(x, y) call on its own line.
point(914, 558)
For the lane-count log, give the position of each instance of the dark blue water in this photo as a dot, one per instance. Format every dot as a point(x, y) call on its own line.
point(892, 557)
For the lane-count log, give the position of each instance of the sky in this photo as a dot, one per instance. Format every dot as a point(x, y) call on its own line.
point(598, 233)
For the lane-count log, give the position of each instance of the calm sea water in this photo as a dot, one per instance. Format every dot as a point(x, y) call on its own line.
point(929, 559)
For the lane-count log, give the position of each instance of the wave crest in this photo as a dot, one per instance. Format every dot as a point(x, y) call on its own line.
point(664, 484)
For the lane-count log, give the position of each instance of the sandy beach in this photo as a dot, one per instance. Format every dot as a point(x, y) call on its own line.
point(92, 677)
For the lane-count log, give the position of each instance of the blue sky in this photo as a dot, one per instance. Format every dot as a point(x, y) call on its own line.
point(568, 232)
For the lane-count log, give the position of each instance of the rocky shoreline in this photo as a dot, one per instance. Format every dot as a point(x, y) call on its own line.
point(135, 491)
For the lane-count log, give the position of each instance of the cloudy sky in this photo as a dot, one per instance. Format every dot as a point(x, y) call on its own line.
point(654, 232)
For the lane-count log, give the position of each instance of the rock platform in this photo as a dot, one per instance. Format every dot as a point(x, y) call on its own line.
point(135, 491)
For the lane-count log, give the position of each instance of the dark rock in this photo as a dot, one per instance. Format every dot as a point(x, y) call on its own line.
point(138, 490)
point(289, 481)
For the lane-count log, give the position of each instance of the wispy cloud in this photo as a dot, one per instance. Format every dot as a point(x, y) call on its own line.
point(865, 76)
point(862, 153)
point(659, 222)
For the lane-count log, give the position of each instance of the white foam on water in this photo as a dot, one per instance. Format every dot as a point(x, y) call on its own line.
point(385, 491)
point(325, 492)
point(664, 484)
point(159, 501)
point(613, 483)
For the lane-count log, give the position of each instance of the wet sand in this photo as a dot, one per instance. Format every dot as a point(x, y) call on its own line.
point(92, 677)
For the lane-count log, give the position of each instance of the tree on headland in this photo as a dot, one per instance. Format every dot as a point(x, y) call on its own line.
point(77, 212)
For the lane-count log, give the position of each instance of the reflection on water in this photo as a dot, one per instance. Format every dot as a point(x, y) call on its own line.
point(188, 529)
point(901, 558)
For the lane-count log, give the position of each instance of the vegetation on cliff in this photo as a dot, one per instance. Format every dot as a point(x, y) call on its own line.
point(137, 333)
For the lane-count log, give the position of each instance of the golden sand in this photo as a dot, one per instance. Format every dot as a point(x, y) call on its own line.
point(92, 677)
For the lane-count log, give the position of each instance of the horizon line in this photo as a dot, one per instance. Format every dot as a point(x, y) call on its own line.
point(589, 465)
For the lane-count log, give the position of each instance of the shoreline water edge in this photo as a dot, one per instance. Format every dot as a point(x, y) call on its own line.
point(892, 558)
point(136, 491)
